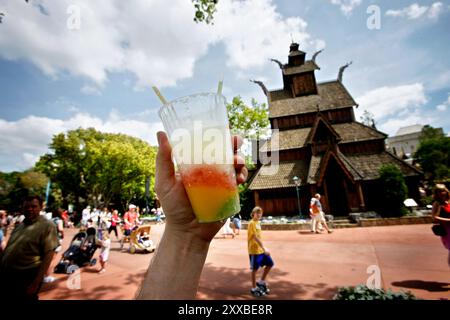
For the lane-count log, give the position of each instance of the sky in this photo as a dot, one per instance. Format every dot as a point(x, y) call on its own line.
point(77, 63)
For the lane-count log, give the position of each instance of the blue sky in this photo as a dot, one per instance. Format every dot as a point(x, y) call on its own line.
point(57, 75)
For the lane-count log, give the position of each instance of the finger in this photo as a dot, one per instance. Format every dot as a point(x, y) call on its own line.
point(241, 175)
point(237, 143)
point(238, 161)
point(165, 171)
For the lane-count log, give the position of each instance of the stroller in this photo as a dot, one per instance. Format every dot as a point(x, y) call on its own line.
point(80, 252)
point(140, 241)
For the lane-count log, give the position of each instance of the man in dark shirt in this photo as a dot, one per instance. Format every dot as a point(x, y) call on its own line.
point(28, 254)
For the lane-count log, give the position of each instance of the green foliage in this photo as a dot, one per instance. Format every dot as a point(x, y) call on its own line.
point(98, 167)
point(15, 186)
point(363, 292)
point(252, 120)
point(394, 191)
point(204, 10)
point(433, 155)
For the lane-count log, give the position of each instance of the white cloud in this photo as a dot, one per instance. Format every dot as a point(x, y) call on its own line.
point(90, 90)
point(435, 10)
point(416, 11)
point(441, 107)
point(23, 141)
point(156, 42)
point(388, 101)
point(347, 6)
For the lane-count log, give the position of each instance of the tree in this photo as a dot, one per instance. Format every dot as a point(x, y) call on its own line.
point(252, 121)
point(368, 119)
point(15, 186)
point(394, 191)
point(99, 167)
point(204, 10)
point(433, 155)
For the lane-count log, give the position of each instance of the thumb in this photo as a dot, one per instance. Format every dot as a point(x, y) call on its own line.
point(165, 171)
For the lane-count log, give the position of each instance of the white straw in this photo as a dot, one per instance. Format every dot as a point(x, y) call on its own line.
point(219, 88)
point(160, 96)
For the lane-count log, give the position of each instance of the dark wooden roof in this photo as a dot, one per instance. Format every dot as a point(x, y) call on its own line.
point(331, 95)
point(368, 165)
point(283, 176)
point(360, 167)
point(306, 67)
point(348, 132)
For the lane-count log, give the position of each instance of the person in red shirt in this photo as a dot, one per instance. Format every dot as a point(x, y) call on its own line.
point(115, 219)
point(441, 214)
point(131, 220)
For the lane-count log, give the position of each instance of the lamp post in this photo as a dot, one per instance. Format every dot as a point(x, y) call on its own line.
point(297, 182)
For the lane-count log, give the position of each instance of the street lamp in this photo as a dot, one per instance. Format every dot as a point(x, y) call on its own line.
point(297, 182)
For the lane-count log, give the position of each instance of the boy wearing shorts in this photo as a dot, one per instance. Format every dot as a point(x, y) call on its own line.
point(259, 255)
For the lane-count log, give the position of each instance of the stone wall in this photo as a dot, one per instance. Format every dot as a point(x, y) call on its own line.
point(394, 221)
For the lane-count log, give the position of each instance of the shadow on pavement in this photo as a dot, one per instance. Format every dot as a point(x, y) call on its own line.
point(430, 286)
point(234, 283)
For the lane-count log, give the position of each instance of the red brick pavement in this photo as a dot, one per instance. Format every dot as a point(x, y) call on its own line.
point(307, 266)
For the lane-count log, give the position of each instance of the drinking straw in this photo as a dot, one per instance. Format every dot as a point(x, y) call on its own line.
point(160, 96)
point(219, 88)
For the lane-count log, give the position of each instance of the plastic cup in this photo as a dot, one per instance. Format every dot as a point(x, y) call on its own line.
point(199, 133)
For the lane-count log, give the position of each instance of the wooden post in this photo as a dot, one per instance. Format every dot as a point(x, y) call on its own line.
point(362, 205)
point(256, 195)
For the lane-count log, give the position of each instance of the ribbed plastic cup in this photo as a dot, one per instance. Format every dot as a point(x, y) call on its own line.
point(199, 133)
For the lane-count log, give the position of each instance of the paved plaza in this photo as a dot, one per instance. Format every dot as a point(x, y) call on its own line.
point(307, 266)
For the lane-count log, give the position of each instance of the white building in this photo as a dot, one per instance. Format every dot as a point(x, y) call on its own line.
point(406, 141)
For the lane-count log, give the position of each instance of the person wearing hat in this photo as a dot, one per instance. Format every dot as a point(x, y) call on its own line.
point(131, 220)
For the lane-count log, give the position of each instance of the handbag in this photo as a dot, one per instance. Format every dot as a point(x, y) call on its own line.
point(439, 230)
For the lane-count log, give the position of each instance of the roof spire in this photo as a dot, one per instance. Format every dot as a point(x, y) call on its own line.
point(315, 55)
point(263, 87)
point(341, 70)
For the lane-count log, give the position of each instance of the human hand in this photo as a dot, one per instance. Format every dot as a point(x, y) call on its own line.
point(180, 216)
point(266, 252)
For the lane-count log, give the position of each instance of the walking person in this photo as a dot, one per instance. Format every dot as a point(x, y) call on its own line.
point(131, 220)
point(86, 215)
point(104, 253)
point(236, 225)
point(226, 229)
point(441, 214)
point(317, 215)
point(115, 220)
point(28, 254)
point(259, 255)
point(59, 224)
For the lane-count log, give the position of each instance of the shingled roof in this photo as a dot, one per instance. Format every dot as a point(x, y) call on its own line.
point(331, 95)
point(283, 176)
point(306, 67)
point(368, 165)
point(348, 132)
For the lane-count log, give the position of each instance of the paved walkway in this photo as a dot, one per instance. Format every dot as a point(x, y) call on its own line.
point(308, 266)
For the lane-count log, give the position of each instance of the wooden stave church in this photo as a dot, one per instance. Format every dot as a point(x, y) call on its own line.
point(321, 143)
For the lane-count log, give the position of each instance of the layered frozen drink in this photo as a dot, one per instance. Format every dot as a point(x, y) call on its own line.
point(199, 133)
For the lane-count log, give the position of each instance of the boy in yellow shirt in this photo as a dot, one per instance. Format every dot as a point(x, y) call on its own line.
point(259, 255)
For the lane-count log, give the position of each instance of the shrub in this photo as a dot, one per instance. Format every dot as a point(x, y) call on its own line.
point(363, 292)
point(394, 191)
